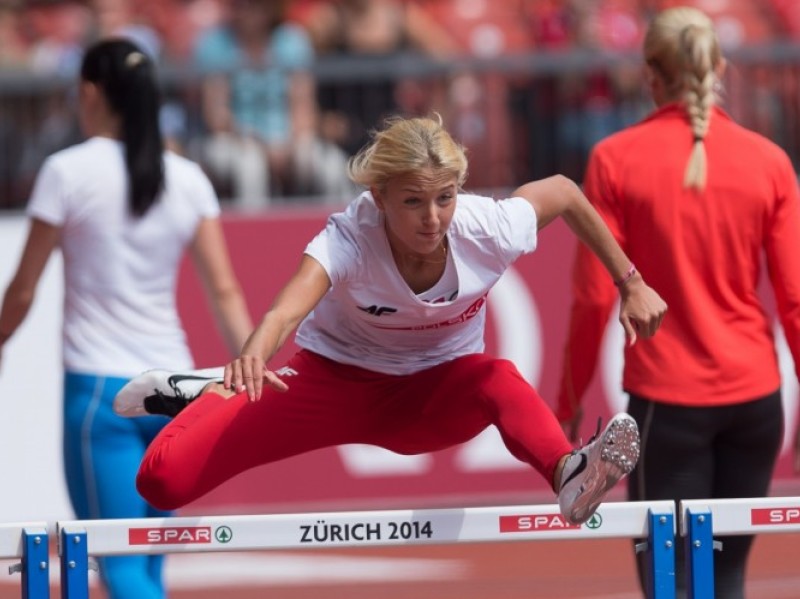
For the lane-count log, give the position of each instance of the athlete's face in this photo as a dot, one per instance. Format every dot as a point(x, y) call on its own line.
point(418, 208)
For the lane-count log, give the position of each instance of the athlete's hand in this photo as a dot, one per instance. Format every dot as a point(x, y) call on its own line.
point(641, 309)
point(249, 373)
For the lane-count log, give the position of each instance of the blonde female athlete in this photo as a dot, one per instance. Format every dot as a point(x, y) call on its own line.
point(696, 201)
point(390, 302)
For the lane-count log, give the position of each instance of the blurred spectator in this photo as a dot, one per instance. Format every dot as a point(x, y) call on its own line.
point(787, 14)
point(595, 102)
point(535, 101)
point(482, 28)
point(260, 109)
point(119, 18)
point(550, 24)
point(13, 57)
point(179, 23)
point(58, 29)
point(13, 46)
point(565, 112)
point(374, 32)
point(377, 27)
point(43, 122)
point(479, 100)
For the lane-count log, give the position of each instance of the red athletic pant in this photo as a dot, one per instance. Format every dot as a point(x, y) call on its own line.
point(330, 404)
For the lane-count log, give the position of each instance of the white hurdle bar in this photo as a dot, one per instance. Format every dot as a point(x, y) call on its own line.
point(28, 542)
point(703, 519)
point(79, 539)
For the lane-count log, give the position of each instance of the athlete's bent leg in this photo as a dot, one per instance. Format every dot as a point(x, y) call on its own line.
point(215, 438)
point(452, 402)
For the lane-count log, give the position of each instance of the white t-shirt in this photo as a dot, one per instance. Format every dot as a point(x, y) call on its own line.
point(120, 272)
point(371, 318)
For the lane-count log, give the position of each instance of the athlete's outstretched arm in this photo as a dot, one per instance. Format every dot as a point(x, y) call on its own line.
point(19, 296)
point(294, 302)
point(642, 309)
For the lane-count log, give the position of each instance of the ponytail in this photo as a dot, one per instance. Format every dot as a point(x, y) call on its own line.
point(127, 78)
point(699, 78)
point(682, 46)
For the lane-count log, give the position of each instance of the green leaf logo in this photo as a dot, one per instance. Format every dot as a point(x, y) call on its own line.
point(596, 521)
point(223, 534)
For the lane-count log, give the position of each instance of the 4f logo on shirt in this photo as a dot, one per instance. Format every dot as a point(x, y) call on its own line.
point(378, 310)
point(286, 371)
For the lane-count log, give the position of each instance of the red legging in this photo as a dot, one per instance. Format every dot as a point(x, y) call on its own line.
point(330, 404)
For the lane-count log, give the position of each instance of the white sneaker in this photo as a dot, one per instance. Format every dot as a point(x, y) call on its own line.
point(161, 392)
point(590, 472)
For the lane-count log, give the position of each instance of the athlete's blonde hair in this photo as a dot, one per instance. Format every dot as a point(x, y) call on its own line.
point(406, 145)
point(682, 47)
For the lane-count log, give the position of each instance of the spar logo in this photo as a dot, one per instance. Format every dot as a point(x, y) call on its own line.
point(535, 523)
point(775, 515)
point(170, 535)
point(595, 522)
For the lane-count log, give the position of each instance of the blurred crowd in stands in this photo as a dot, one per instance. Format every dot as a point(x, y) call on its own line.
point(273, 96)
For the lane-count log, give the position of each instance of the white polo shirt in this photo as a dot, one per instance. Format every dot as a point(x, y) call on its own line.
point(371, 318)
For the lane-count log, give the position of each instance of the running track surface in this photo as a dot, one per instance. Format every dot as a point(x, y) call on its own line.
point(595, 569)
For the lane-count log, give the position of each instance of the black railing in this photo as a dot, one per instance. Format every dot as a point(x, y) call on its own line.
point(521, 116)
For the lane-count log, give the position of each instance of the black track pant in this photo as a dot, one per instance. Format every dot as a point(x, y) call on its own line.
point(700, 453)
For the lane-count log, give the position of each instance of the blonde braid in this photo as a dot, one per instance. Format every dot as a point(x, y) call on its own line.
point(682, 48)
point(697, 45)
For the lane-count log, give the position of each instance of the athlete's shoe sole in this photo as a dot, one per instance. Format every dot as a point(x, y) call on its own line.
point(593, 470)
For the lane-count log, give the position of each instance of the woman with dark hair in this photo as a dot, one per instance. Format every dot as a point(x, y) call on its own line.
point(122, 211)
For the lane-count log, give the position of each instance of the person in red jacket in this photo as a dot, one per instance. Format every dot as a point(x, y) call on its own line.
point(696, 201)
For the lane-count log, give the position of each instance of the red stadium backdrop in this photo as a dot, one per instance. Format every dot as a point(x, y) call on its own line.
point(527, 324)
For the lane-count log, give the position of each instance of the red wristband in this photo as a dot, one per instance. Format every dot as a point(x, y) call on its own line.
point(624, 279)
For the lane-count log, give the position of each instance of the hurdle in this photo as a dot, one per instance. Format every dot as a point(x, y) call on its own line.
point(28, 542)
point(701, 520)
point(81, 539)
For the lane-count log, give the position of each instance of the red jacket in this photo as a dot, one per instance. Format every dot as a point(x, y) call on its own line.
point(703, 252)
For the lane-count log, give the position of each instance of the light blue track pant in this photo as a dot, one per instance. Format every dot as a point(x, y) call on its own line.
point(102, 452)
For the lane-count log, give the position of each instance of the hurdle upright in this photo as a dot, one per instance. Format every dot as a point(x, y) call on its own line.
point(28, 542)
point(80, 539)
point(701, 520)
